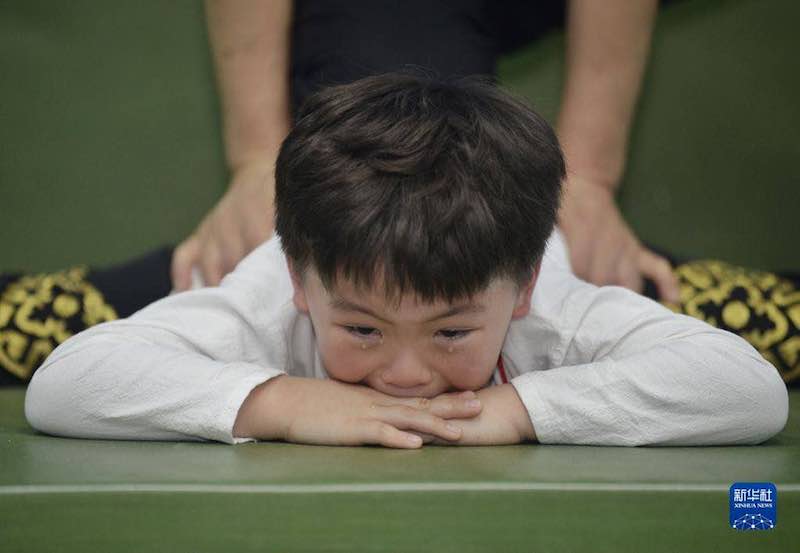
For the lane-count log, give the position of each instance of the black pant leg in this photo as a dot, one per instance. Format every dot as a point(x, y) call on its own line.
point(340, 41)
point(39, 311)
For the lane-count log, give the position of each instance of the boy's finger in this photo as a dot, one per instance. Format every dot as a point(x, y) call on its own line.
point(409, 418)
point(426, 438)
point(380, 433)
point(455, 406)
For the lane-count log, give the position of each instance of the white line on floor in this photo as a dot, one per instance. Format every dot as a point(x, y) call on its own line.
point(375, 488)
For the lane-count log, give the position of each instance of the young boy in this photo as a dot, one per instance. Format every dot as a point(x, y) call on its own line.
point(412, 270)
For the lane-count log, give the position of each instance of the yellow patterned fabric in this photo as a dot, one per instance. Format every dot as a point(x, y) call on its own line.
point(38, 312)
point(761, 307)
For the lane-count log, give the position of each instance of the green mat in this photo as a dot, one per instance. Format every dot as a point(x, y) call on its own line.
point(86, 495)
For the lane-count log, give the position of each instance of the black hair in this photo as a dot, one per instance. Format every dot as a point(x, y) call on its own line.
point(423, 185)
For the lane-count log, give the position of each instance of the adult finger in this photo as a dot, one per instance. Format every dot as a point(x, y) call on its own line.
point(628, 272)
point(183, 259)
point(603, 266)
point(211, 265)
point(659, 270)
point(231, 252)
point(257, 228)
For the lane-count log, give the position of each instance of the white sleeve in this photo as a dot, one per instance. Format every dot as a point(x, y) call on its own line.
point(606, 366)
point(179, 369)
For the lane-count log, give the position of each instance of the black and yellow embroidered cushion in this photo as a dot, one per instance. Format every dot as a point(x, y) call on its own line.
point(38, 312)
point(762, 307)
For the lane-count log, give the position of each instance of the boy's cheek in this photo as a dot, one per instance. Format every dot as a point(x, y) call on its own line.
point(472, 379)
point(473, 370)
point(342, 364)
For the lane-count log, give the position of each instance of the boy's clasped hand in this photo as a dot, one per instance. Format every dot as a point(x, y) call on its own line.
point(327, 412)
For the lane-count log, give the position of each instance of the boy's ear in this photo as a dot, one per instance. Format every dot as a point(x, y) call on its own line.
point(523, 305)
point(299, 297)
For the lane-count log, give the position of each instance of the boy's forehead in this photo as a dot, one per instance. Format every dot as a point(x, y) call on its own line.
point(344, 293)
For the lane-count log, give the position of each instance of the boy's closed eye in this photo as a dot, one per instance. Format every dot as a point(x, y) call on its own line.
point(369, 332)
point(454, 333)
point(362, 331)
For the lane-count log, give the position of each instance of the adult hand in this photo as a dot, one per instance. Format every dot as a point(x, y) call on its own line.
point(502, 420)
point(240, 221)
point(603, 249)
point(311, 411)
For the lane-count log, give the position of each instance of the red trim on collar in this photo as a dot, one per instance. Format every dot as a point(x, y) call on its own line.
point(502, 369)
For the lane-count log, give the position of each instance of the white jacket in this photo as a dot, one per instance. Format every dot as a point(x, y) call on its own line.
point(593, 365)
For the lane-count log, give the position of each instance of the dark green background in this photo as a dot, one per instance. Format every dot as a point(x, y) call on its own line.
point(110, 145)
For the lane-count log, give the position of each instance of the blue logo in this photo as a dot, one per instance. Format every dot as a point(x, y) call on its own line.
point(753, 506)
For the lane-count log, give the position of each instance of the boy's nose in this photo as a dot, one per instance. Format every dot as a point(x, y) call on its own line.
point(407, 372)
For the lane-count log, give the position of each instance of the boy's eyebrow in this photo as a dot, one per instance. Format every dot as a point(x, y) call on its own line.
point(458, 310)
point(338, 302)
point(347, 305)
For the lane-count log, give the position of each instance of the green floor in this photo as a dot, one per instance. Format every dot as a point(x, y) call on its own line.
point(85, 495)
point(110, 146)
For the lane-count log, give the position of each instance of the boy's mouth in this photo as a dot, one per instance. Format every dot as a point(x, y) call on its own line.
point(428, 390)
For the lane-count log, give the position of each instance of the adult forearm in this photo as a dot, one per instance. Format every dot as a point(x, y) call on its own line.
point(250, 45)
point(607, 48)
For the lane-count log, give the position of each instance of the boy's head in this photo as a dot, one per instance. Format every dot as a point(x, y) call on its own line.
point(400, 198)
